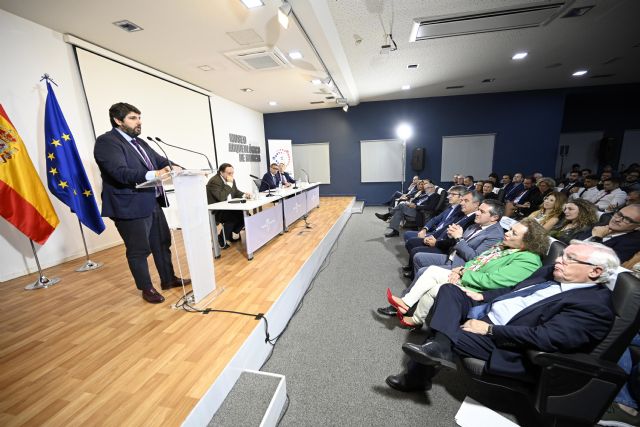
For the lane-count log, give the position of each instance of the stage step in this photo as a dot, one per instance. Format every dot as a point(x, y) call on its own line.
point(357, 207)
point(257, 399)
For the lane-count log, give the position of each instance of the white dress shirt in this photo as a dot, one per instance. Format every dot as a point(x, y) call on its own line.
point(589, 194)
point(616, 197)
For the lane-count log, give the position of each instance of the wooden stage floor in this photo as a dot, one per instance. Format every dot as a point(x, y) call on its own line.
point(90, 351)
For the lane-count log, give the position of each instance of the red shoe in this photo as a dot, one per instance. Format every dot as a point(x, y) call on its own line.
point(394, 303)
point(405, 323)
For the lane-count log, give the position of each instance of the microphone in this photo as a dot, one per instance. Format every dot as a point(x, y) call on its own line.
point(261, 181)
point(305, 172)
point(186, 149)
point(163, 152)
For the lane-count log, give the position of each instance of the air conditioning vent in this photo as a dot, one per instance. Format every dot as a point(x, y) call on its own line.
point(259, 59)
point(484, 22)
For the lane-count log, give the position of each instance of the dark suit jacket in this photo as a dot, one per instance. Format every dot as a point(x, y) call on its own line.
point(625, 246)
point(532, 196)
point(471, 248)
point(269, 182)
point(571, 321)
point(512, 190)
point(287, 177)
point(437, 225)
point(444, 242)
point(218, 190)
point(427, 202)
point(121, 168)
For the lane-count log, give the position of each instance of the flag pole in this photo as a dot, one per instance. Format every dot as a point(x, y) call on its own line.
point(89, 265)
point(43, 281)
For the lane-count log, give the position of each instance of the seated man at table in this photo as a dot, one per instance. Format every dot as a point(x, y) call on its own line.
point(271, 179)
point(219, 188)
point(286, 179)
point(567, 309)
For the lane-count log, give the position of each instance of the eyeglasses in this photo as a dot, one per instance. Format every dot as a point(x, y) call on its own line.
point(566, 261)
point(624, 218)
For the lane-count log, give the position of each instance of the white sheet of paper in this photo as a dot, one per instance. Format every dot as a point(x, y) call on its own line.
point(473, 414)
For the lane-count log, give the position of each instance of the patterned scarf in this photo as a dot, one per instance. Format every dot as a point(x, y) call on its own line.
point(490, 254)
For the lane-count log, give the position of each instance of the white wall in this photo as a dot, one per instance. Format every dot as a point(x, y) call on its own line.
point(32, 50)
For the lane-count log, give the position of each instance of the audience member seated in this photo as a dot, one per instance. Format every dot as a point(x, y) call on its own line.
point(565, 308)
point(425, 197)
point(528, 199)
point(503, 265)
point(468, 244)
point(285, 178)
point(633, 197)
point(487, 190)
point(579, 217)
point(624, 410)
point(611, 197)
point(585, 173)
point(398, 195)
point(573, 181)
point(464, 204)
point(468, 182)
point(550, 211)
point(631, 181)
point(605, 175)
point(219, 188)
point(271, 179)
point(589, 190)
point(478, 186)
point(516, 186)
point(546, 186)
point(622, 233)
point(494, 178)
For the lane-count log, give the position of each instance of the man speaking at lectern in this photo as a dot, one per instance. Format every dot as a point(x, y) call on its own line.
point(125, 161)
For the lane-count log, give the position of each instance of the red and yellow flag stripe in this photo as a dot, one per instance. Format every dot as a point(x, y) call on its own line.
point(24, 201)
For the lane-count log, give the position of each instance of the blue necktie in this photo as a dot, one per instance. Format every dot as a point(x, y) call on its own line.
point(480, 311)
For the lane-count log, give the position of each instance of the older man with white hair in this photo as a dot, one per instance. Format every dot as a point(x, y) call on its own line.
point(567, 309)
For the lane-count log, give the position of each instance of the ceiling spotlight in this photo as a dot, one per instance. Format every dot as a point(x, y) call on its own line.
point(205, 68)
point(250, 4)
point(294, 54)
point(404, 131)
point(579, 73)
point(345, 108)
point(283, 14)
point(520, 55)
point(405, 87)
point(273, 103)
point(412, 66)
point(316, 81)
point(247, 89)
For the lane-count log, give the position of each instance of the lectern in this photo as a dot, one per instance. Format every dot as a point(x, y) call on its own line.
point(191, 198)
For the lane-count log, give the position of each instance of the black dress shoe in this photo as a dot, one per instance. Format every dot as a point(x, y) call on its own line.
point(408, 274)
point(383, 217)
point(402, 383)
point(430, 353)
point(407, 268)
point(388, 311)
point(152, 296)
point(392, 233)
point(175, 283)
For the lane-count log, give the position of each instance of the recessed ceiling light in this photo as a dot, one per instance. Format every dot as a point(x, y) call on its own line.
point(294, 54)
point(316, 81)
point(128, 26)
point(412, 66)
point(579, 73)
point(405, 87)
point(205, 68)
point(252, 3)
point(520, 55)
point(247, 89)
point(273, 103)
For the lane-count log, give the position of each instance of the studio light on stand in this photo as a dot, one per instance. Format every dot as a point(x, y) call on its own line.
point(404, 131)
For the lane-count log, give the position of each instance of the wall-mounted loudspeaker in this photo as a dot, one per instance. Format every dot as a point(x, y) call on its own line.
point(417, 159)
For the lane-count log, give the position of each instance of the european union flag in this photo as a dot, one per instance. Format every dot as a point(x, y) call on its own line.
point(66, 176)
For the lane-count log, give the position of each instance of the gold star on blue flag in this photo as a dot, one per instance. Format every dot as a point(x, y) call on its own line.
point(71, 177)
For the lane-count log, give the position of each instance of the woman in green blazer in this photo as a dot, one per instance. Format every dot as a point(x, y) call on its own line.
point(503, 265)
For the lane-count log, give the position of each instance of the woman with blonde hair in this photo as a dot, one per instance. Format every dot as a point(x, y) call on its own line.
point(579, 217)
point(550, 211)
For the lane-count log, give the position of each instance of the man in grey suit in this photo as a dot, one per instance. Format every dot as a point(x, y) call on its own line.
point(469, 243)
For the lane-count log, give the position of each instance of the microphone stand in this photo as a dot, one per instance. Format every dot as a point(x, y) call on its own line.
point(186, 149)
point(163, 152)
point(261, 182)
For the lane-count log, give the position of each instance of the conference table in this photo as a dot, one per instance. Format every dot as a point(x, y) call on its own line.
point(266, 217)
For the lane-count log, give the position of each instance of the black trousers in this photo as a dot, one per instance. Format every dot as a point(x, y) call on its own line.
point(144, 236)
point(231, 221)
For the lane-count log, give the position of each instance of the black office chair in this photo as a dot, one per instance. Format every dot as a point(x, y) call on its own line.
point(576, 389)
point(555, 250)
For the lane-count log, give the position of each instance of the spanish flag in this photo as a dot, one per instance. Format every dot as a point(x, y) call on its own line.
point(23, 200)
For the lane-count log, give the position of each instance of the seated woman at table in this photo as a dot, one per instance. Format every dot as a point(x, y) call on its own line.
point(219, 188)
point(501, 266)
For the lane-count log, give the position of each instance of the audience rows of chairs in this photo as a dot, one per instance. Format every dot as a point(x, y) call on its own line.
point(479, 249)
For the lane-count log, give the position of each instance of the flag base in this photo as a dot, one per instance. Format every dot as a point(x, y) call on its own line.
point(42, 282)
point(90, 265)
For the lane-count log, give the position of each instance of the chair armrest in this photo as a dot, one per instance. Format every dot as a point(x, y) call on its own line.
point(585, 363)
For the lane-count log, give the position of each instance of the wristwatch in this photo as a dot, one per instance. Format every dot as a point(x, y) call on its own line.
point(490, 330)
